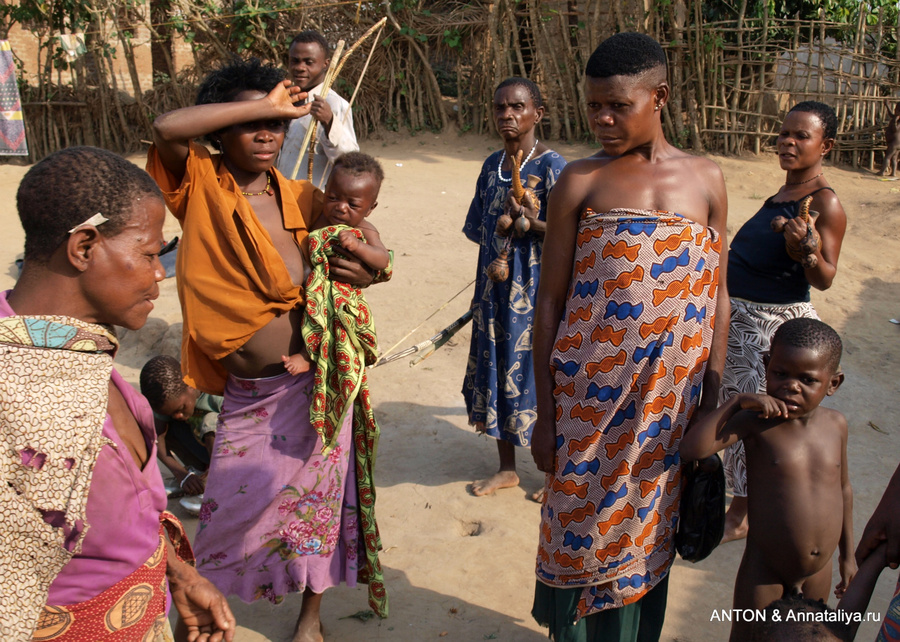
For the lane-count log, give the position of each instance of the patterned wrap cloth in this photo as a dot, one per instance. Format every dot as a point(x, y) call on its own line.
point(277, 516)
point(629, 359)
point(53, 398)
point(890, 628)
point(131, 610)
point(498, 387)
point(340, 339)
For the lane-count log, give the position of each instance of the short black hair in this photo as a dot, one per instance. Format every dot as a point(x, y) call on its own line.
point(357, 163)
point(626, 54)
point(311, 35)
point(68, 187)
point(824, 112)
point(797, 619)
point(236, 75)
point(161, 381)
point(519, 81)
point(223, 84)
point(812, 334)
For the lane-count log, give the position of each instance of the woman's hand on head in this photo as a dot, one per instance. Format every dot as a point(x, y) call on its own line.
point(286, 99)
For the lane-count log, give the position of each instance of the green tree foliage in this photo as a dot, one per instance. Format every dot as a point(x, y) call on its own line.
point(844, 11)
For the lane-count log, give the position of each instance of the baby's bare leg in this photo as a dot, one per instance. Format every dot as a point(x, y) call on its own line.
point(818, 586)
point(756, 587)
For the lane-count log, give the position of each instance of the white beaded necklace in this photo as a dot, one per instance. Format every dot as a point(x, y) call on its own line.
point(524, 163)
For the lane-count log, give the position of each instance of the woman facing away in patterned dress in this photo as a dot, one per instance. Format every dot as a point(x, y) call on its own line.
point(767, 286)
point(499, 381)
point(280, 515)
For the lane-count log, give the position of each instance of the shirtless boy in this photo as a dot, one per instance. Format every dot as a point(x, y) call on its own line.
point(623, 341)
point(351, 195)
point(801, 508)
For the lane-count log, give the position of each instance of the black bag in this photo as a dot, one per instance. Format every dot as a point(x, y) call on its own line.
point(702, 516)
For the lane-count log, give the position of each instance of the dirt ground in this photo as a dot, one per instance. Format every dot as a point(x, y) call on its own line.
point(459, 567)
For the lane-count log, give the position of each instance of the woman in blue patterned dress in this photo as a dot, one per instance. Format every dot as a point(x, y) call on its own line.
point(499, 382)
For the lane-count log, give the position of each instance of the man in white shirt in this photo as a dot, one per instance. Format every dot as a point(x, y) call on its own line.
point(308, 59)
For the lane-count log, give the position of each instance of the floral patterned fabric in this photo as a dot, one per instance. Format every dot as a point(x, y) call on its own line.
point(340, 338)
point(278, 515)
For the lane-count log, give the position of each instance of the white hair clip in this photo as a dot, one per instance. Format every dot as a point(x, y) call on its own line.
point(95, 220)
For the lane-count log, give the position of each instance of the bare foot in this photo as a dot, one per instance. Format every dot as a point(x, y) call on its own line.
point(538, 495)
point(308, 632)
point(502, 479)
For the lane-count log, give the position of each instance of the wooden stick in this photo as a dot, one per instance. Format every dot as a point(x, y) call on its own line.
point(441, 338)
point(333, 71)
point(335, 59)
point(337, 64)
point(387, 357)
point(380, 24)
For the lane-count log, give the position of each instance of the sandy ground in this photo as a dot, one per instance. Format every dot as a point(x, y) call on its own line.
point(458, 567)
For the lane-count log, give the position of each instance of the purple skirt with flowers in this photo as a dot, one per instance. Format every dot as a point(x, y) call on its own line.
point(277, 516)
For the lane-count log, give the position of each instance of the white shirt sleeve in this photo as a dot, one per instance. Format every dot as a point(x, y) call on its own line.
point(340, 139)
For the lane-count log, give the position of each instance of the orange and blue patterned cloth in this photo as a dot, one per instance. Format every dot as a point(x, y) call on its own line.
point(628, 363)
point(890, 629)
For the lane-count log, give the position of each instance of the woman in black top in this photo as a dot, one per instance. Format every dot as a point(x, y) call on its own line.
point(768, 287)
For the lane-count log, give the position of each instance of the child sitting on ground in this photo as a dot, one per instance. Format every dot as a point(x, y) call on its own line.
point(350, 196)
point(797, 466)
point(186, 415)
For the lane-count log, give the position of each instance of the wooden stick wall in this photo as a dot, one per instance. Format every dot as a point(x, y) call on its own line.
point(732, 80)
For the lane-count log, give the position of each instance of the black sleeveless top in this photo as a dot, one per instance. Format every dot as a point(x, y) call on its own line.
point(759, 268)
